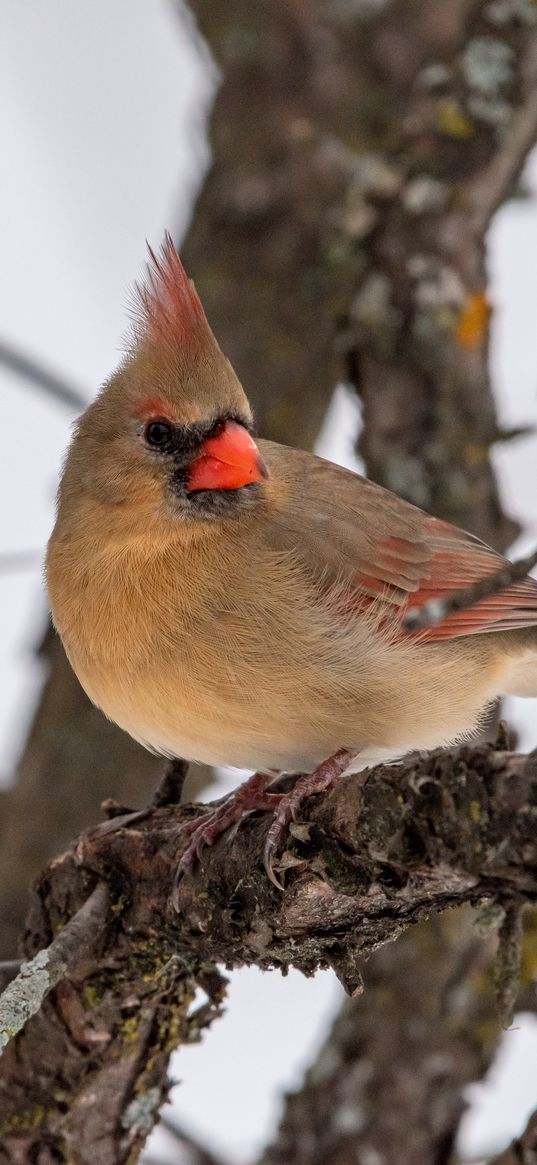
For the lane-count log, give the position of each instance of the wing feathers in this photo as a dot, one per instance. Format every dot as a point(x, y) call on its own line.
point(346, 527)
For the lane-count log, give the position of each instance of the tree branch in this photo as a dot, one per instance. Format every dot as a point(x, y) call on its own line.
point(19, 560)
point(26, 992)
point(197, 1154)
point(458, 128)
point(491, 188)
point(382, 851)
point(40, 377)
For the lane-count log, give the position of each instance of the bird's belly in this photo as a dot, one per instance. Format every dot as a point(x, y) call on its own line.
point(193, 731)
point(239, 722)
point(232, 726)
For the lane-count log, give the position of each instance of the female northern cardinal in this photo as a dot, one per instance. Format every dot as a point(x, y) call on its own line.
point(243, 604)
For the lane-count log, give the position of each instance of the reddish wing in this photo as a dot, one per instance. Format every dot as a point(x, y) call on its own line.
point(457, 560)
point(347, 529)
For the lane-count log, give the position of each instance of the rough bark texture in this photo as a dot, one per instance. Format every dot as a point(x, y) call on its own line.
point(86, 1077)
point(261, 241)
point(36, 977)
point(360, 152)
point(466, 93)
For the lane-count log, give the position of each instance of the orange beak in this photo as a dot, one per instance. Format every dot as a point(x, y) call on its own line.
point(227, 461)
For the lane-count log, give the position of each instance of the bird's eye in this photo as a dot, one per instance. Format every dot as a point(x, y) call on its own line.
point(158, 434)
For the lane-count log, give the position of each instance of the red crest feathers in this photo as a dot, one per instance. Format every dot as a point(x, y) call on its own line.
point(167, 307)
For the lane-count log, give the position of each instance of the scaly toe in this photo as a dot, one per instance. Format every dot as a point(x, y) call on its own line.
point(202, 834)
point(207, 827)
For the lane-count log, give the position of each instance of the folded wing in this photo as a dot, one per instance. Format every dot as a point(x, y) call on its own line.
point(384, 550)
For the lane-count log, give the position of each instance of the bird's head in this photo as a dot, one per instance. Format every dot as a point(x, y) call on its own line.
point(168, 438)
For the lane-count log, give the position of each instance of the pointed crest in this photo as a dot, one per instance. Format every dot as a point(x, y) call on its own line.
point(166, 305)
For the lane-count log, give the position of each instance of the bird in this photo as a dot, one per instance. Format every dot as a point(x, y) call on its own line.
point(233, 601)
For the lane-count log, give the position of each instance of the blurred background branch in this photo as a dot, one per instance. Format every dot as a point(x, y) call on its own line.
point(19, 560)
point(40, 378)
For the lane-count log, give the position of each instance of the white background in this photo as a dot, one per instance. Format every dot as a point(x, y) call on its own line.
point(100, 148)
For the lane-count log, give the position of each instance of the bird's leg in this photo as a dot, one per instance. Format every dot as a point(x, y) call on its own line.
point(319, 781)
point(205, 829)
point(255, 794)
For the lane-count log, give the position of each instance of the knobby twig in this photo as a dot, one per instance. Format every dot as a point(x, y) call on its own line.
point(436, 610)
point(170, 787)
point(35, 373)
point(26, 992)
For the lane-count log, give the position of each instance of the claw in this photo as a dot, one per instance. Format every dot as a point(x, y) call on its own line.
point(205, 829)
point(323, 778)
point(255, 794)
point(269, 868)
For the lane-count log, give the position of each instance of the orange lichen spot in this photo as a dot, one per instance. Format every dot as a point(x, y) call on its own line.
point(473, 320)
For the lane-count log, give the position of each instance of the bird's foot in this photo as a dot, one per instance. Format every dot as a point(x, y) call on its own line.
point(319, 781)
point(205, 829)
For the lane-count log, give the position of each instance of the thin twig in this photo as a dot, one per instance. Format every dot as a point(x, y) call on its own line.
point(436, 610)
point(509, 961)
point(41, 377)
point(170, 787)
point(199, 1154)
point(25, 994)
point(19, 560)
